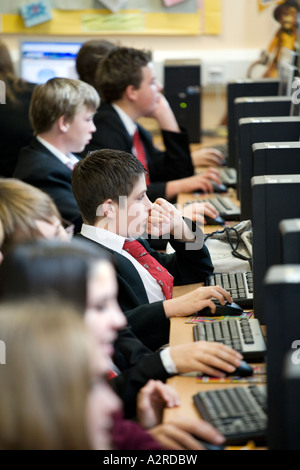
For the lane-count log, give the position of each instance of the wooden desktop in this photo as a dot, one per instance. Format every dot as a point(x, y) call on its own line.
point(188, 385)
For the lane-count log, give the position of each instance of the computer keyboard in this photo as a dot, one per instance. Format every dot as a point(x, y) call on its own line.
point(225, 206)
point(228, 176)
point(239, 285)
point(223, 148)
point(239, 413)
point(227, 209)
point(242, 334)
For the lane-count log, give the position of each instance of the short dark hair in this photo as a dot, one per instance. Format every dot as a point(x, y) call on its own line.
point(120, 68)
point(89, 56)
point(101, 175)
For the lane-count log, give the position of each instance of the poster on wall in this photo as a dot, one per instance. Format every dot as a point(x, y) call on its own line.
point(75, 17)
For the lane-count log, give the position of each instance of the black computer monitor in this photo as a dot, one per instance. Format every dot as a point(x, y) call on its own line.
point(289, 232)
point(256, 130)
point(240, 88)
point(259, 106)
point(275, 197)
point(276, 158)
point(40, 60)
point(281, 292)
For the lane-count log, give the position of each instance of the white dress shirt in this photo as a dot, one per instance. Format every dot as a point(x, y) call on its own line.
point(70, 160)
point(129, 124)
point(115, 242)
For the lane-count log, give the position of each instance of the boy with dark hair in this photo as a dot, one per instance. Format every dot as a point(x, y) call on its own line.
point(126, 82)
point(110, 189)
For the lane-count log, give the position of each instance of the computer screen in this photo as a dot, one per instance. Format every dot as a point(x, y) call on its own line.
point(258, 130)
point(270, 195)
point(259, 106)
point(276, 158)
point(243, 88)
point(282, 297)
point(289, 232)
point(40, 61)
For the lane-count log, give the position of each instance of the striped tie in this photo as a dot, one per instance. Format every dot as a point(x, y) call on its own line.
point(157, 271)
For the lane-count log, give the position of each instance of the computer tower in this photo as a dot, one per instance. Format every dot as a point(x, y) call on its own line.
point(289, 231)
point(258, 130)
point(281, 304)
point(182, 89)
point(274, 197)
point(238, 89)
point(259, 106)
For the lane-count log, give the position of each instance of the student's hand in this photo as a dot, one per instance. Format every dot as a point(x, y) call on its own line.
point(196, 300)
point(194, 183)
point(164, 115)
point(209, 357)
point(151, 401)
point(207, 157)
point(211, 174)
point(190, 184)
point(196, 211)
point(182, 433)
point(165, 218)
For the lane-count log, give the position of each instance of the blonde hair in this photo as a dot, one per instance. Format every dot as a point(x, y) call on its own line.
point(21, 205)
point(46, 379)
point(60, 97)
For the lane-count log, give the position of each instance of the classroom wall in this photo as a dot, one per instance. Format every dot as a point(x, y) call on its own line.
point(245, 32)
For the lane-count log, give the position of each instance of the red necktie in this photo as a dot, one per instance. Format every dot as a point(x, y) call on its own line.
point(140, 153)
point(161, 274)
point(111, 374)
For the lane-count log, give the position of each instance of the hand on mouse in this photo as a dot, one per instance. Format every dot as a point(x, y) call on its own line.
point(196, 300)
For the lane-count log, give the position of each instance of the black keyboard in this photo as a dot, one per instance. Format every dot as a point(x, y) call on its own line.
point(239, 285)
point(243, 334)
point(223, 148)
point(239, 413)
point(228, 176)
point(225, 206)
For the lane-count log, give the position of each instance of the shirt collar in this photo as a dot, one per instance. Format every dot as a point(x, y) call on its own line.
point(129, 124)
point(105, 237)
point(58, 154)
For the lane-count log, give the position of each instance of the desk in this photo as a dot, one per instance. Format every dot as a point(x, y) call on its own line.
point(180, 333)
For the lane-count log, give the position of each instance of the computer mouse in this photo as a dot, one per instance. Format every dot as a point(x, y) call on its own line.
point(244, 370)
point(222, 310)
point(210, 446)
point(217, 221)
point(219, 188)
